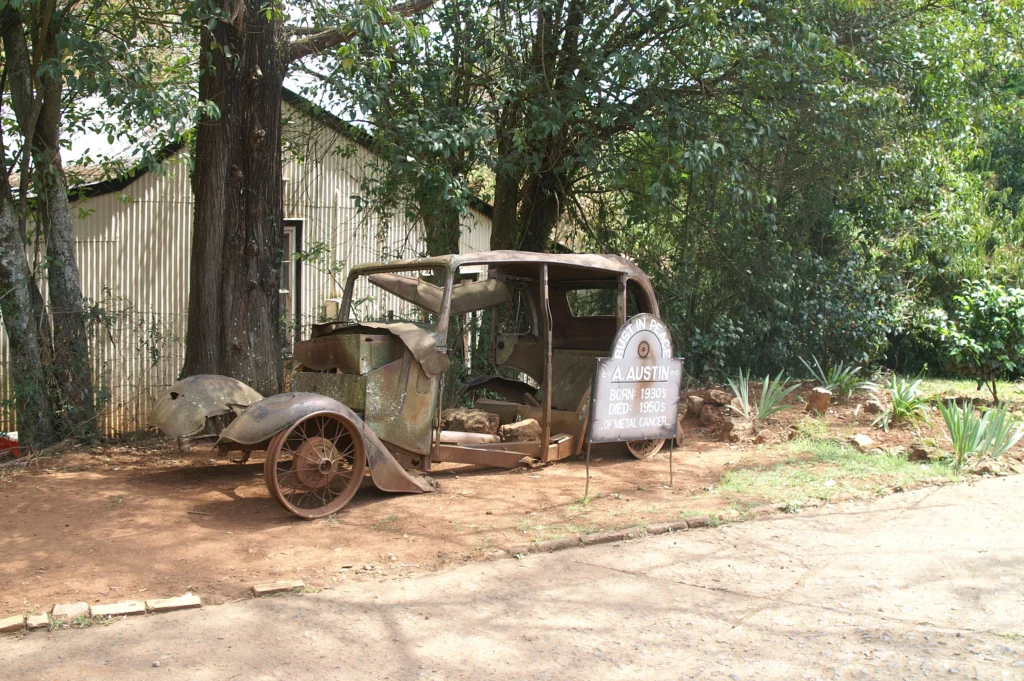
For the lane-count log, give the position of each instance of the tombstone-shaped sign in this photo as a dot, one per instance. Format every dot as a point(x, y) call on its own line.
point(636, 390)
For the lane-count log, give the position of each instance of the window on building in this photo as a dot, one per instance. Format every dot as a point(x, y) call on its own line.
point(290, 285)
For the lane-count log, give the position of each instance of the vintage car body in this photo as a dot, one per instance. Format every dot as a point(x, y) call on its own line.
point(368, 386)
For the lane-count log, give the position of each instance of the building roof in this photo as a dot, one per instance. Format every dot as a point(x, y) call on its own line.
point(314, 111)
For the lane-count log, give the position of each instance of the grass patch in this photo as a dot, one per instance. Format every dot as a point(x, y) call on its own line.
point(81, 622)
point(947, 387)
point(820, 469)
point(812, 428)
point(585, 501)
point(525, 524)
point(389, 523)
point(690, 513)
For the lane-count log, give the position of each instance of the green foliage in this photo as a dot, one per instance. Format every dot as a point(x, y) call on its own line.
point(988, 435)
point(983, 337)
point(908, 404)
point(839, 378)
point(320, 256)
point(797, 181)
point(741, 389)
point(773, 392)
point(823, 219)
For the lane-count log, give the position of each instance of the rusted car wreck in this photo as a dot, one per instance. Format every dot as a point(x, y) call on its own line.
point(367, 389)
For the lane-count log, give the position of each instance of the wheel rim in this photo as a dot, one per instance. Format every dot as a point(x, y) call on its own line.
point(644, 449)
point(314, 468)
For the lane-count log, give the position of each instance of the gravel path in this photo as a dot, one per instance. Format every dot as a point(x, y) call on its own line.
point(927, 584)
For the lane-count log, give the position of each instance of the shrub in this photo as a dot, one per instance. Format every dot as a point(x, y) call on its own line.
point(907, 403)
point(983, 338)
point(772, 394)
point(988, 435)
point(839, 379)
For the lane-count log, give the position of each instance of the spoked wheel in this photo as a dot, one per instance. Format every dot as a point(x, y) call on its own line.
point(645, 449)
point(315, 467)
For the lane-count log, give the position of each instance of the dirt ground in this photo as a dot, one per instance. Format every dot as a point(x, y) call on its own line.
point(918, 586)
point(122, 522)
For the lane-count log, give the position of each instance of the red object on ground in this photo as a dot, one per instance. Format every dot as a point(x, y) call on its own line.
point(9, 444)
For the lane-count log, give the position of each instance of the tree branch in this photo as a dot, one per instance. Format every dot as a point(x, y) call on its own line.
point(316, 43)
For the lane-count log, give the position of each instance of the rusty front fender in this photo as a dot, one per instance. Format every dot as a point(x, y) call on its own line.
point(261, 421)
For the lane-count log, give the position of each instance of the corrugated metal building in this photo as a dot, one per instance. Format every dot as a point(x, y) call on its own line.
point(134, 242)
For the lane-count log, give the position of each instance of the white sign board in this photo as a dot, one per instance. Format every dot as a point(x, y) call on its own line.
point(636, 390)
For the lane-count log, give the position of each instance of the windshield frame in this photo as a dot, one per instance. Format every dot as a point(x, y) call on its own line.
point(440, 331)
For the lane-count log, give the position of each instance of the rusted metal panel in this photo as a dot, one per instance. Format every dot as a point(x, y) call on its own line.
point(458, 437)
point(573, 372)
point(545, 386)
point(468, 297)
point(522, 352)
point(400, 403)
point(484, 457)
point(268, 417)
point(184, 409)
point(348, 389)
point(353, 353)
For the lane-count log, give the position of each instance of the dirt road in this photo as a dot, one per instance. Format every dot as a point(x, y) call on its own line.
point(926, 584)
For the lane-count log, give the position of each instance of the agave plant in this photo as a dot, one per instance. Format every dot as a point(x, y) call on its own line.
point(839, 378)
point(773, 392)
point(907, 403)
point(989, 435)
point(964, 426)
point(741, 389)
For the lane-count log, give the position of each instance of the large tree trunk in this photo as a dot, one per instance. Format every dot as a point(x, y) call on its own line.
point(443, 231)
point(36, 101)
point(234, 316)
point(70, 363)
point(504, 225)
point(26, 350)
point(525, 215)
point(540, 208)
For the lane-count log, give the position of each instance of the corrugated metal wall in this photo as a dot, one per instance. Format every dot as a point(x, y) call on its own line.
point(134, 248)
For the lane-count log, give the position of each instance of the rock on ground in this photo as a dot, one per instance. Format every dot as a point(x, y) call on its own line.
point(526, 430)
point(918, 451)
point(735, 431)
point(710, 416)
point(874, 406)
point(470, 421)
point(818, 400)
point(694, 405)
point(719, 397)
point(986, 467)
point(862, 443)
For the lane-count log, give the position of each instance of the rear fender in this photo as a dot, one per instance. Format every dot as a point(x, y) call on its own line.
point(190, 407)
point(261, 421)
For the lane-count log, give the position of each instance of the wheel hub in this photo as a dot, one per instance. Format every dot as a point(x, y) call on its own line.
point(314, 463)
